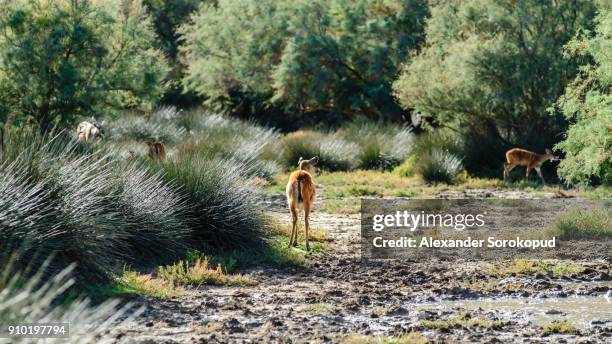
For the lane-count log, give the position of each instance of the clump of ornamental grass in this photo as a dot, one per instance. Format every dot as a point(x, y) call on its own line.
point(160, 125)
point(335, 153)
point(244, 143)
point(223, 209)
point(84, 206)
point(577, 223)
point(381, 146)
point(32, 300)
point(439, 167)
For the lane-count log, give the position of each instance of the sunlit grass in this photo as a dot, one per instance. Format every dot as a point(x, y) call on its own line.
point(578, 223)
point(409, 338)
point(560, 326)
point(461, 321)
point(200, 272)
point(321, 308)
point(314, 234)
point(132, 282)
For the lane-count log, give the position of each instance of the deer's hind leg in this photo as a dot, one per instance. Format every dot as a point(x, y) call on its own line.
point(294, 218)
point(307, 223)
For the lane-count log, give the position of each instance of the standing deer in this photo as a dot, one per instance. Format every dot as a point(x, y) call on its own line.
point(522, 157)
point(301, 195)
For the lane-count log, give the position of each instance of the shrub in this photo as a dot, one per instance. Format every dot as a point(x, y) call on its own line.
point(439, 167)
point(407, 168)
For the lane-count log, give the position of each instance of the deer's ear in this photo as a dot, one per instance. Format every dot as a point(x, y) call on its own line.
point(148, 143)
point(314, 160)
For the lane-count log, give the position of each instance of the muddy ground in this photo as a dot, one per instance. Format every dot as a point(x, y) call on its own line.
point(338, 296)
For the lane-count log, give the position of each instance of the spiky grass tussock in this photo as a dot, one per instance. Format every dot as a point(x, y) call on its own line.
point(160, 125)
point(224, 211)
point(84, 207)
point(31, 300)
point(439, 166)
point(380, 146)
point(335, 153)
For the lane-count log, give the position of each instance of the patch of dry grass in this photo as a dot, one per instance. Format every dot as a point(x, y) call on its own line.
point(559, 326)
point(530, 267)
point(321, 308)
point(201, 273)
point(133, 282)
point(460, 321)
point(409, 338)
point(315, 233)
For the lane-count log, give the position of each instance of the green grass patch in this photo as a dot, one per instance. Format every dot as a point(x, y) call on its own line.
point(560, 327)
point(201, 272)
point(530, 267)
point(578, 223)
point(315, 234)
point(340, 206)
point(132, 282)
point(408, 338)
point(320, 308)
point(460, 321)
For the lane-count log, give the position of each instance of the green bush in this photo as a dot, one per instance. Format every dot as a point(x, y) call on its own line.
point(439, 166)
point(407, 168)
point(63, 59)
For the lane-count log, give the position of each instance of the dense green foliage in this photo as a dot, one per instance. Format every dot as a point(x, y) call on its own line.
point(587, 104)
point(62, 59)
point(333, 56)
point(491, 69)
point(167, 16)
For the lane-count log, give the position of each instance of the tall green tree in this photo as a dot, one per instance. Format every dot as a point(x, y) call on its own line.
point(167, 16)
point(587, 104)
point(335, 56)
point(491, 69)
point(60, 59)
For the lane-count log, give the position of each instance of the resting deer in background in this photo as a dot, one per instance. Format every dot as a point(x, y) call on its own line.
point(301, 195)
point(87, 131)
point(521, 157)
point(157, 150)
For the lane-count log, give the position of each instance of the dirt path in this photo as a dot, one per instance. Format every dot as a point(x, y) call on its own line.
point(338, 295)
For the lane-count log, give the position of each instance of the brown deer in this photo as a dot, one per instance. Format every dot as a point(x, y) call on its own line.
point(522, 157)
point(301, 194)
point(157, 150)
